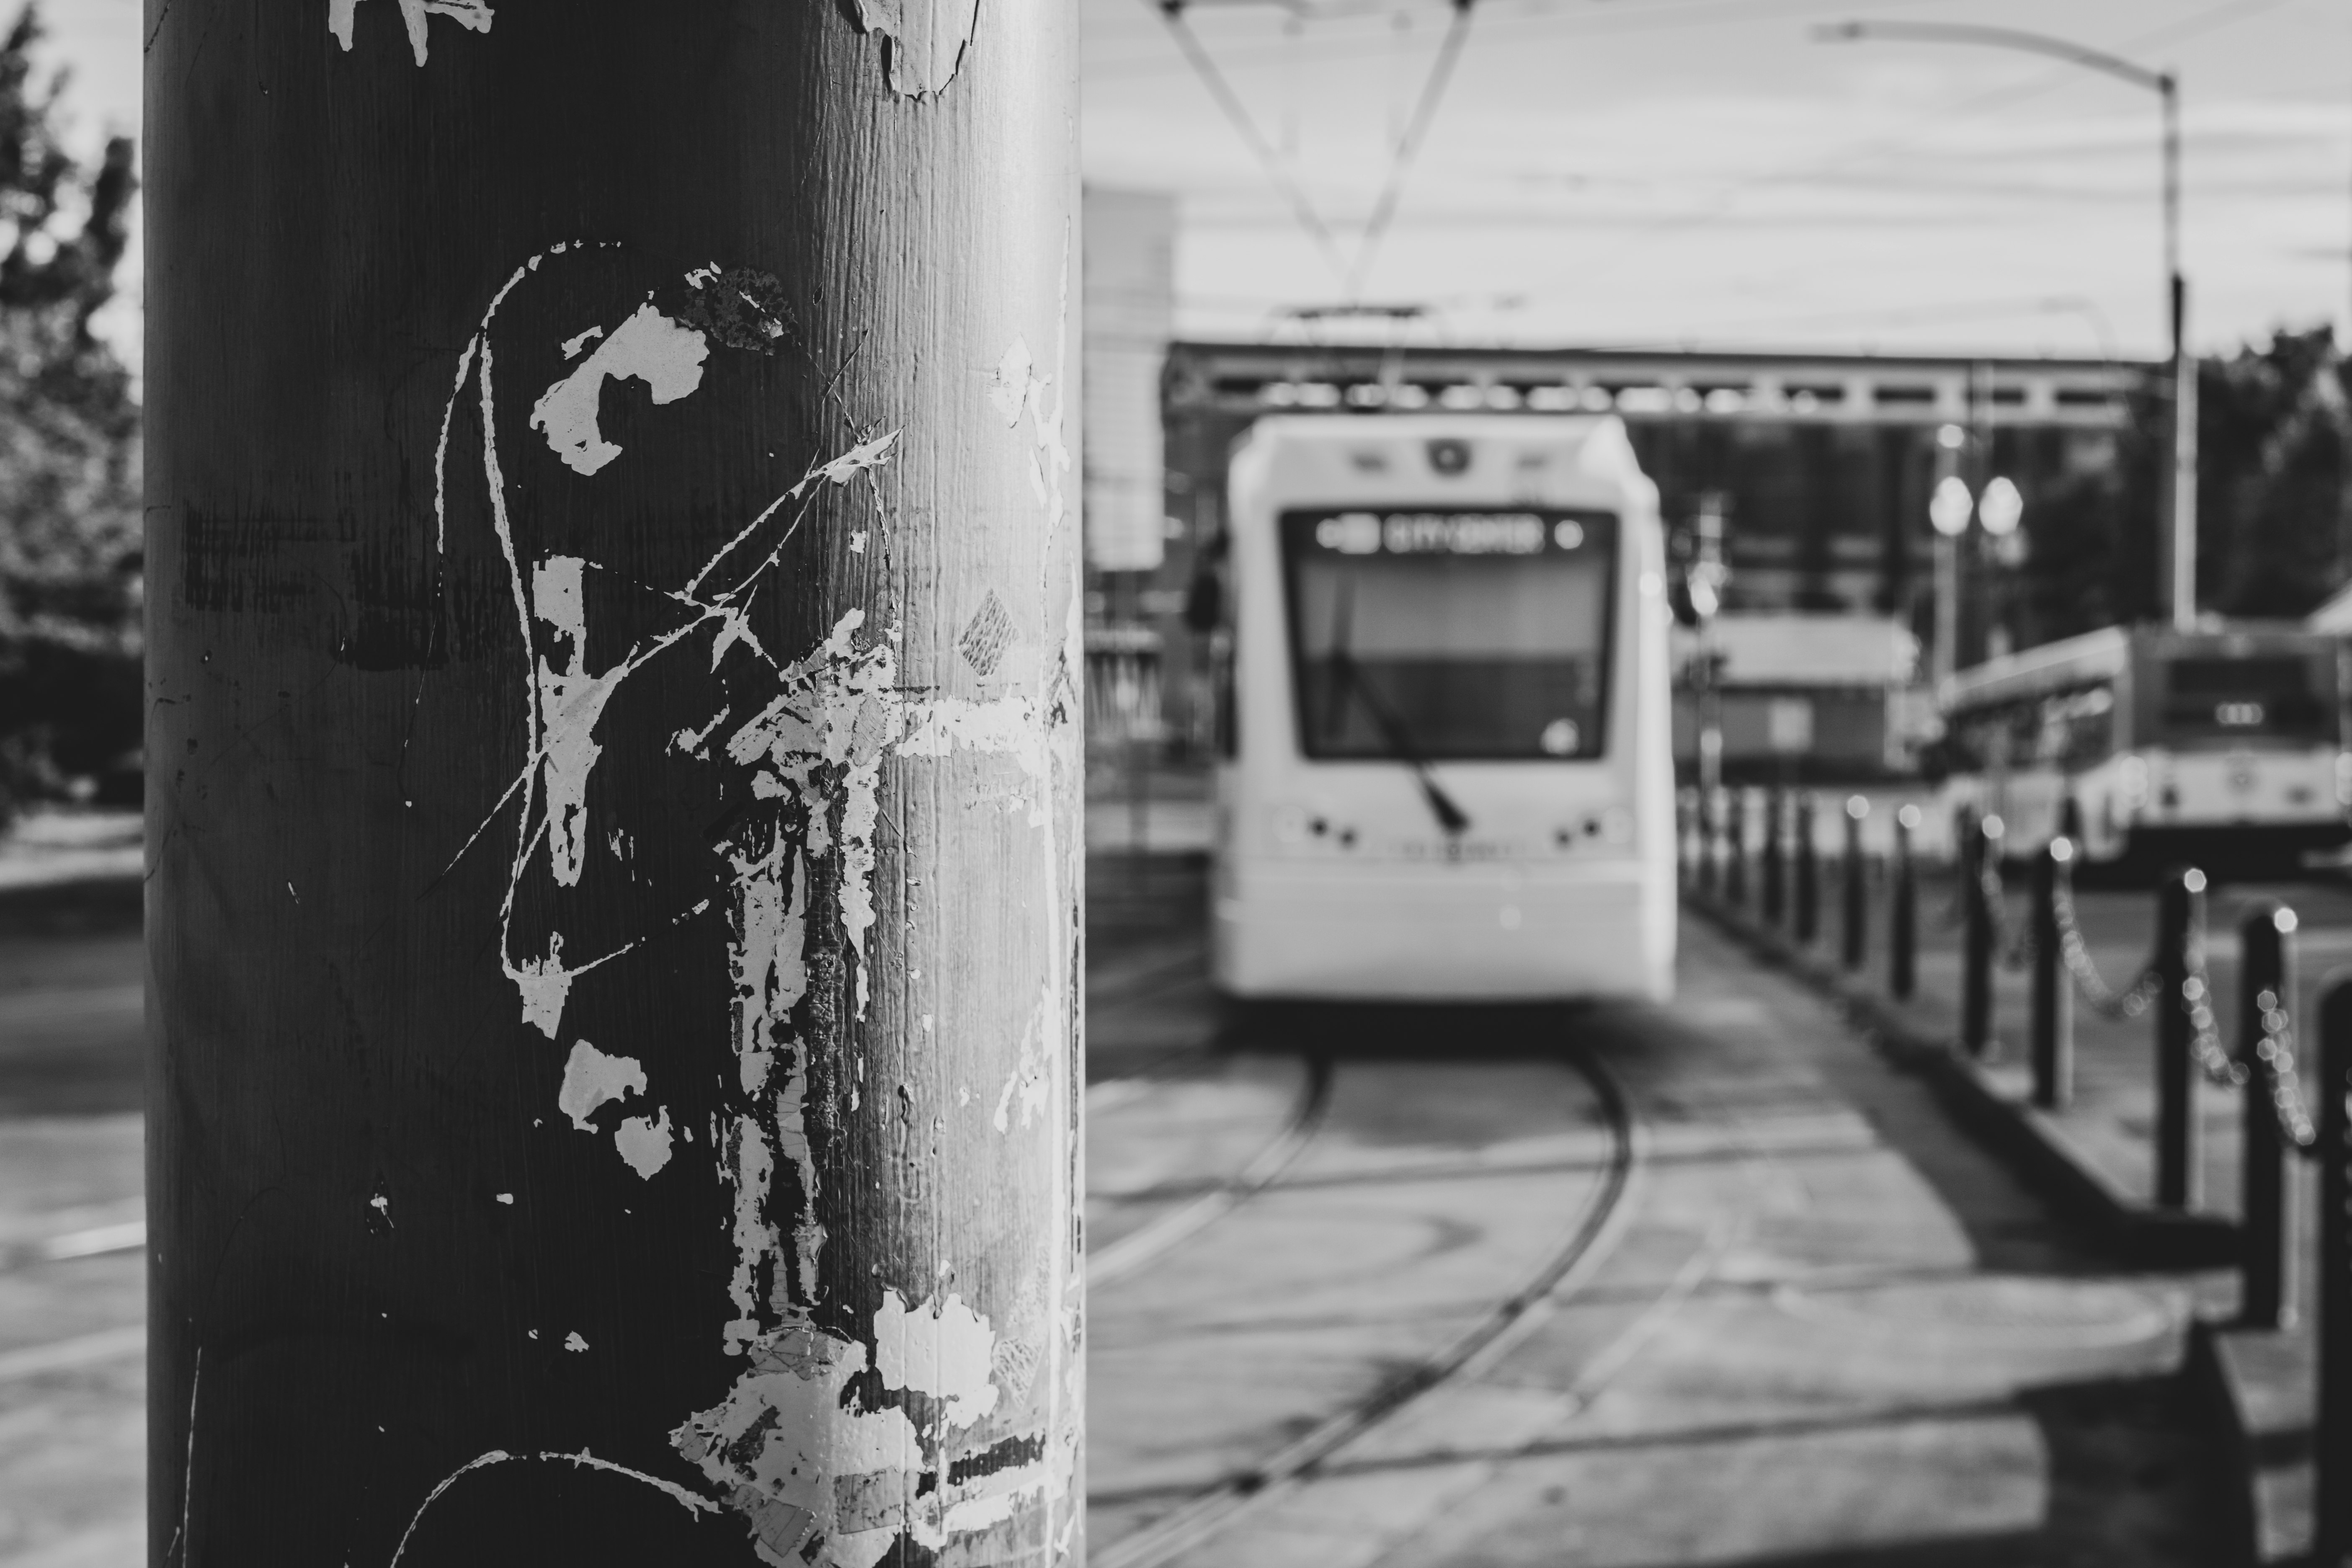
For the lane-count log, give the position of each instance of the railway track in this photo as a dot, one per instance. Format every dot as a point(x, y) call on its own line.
point(1141, 1247)
point(1584, 1244)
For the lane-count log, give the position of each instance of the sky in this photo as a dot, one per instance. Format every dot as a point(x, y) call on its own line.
point(1693, 172)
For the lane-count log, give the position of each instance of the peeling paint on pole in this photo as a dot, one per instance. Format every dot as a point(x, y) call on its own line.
point(642, 624)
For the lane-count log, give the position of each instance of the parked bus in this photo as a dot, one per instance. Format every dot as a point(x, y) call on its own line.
point(1447, 771)
point(2223, 747)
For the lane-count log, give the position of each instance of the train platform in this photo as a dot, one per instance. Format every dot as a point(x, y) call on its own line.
point(2095, 1159)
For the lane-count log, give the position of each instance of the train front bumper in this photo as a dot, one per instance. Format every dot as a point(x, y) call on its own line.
point(1384, 932)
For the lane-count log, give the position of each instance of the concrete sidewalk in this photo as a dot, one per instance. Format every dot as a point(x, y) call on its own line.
point(2095, 1159)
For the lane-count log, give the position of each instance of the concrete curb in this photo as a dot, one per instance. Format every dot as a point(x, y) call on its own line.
point(2032, 1144)
point(2256, 1386)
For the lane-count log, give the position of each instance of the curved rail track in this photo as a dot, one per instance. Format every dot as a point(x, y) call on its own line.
point(1140, 1246)
point(1586, 1243)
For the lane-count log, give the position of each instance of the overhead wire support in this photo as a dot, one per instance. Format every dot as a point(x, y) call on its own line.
point(1172, 13)
point(1432, 92)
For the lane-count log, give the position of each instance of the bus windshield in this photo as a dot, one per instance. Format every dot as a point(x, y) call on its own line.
point(1459, 636)
point(2268, 697)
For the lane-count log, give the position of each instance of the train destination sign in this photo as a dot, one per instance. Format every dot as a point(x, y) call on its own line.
point(1400, 532)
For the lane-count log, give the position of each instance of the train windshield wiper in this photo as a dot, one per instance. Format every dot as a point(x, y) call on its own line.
point(1402, 746)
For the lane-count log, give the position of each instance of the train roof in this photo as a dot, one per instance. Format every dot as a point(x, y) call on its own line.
point(2096, 655)
point(1321, 451)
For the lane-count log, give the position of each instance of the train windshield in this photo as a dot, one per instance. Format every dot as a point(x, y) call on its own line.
point(2277, 697)
point(1451, 634)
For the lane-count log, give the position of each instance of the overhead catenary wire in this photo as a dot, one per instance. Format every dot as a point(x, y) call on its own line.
point(1425, 113)
point(1205, 67)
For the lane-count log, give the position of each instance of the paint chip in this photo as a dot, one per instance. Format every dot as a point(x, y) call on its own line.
point(648, 346)
point(927, 40)
point(506, 1198)
point(644, 1142)
point(574, 1343)
point(592, 1080)
point(942, 1348)
point(1008, 385)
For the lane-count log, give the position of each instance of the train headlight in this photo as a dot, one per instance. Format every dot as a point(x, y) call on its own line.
point(1290, 824)
point(1617, 824)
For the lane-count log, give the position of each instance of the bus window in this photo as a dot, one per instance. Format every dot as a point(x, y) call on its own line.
point(1461, 635)
point(2221, 699)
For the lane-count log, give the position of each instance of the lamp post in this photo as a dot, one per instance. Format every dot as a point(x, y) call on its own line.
point(2181, 537)
point(1949, 509)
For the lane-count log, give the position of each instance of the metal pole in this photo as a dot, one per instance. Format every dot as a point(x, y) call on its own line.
point(1903, 926)
point(1976, 978)
point(1710, 842)
point(2332, 1454)
point(1947, 653)
point(2053, 999)
point(1855, 870)
point(1776, 856)
point(612, 501)
point(2179, 953)
point(2182, 545)
point(2265, 994)
point(1807, 871)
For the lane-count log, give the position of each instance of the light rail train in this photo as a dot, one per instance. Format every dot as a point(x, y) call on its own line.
point(1447, 771)
point(2226, 747)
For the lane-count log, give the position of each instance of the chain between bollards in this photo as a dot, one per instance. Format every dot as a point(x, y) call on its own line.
point(1903, 910)
point(2052, 1049)
point(1855, 904)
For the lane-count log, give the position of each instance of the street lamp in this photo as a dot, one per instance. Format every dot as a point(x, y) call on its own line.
point(2166, 87)
point(2000, 507)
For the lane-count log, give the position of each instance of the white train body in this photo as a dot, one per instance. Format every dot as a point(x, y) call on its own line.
point(1431, 615)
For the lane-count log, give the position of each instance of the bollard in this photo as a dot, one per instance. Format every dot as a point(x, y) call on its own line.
point(2332, 1454)
point(1735, 870)
point(1710, 845)
point(2180, 955)
point(1854, 869)
point(2265, 1001)
point(1807, 872)
point(1682, 878)
point(1903, 899)
point(1776, 856)
point(1982, 850)
point(2053, 1047)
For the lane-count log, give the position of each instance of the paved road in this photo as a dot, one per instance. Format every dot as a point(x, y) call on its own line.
point(72, 1291)
point(1701, 1284)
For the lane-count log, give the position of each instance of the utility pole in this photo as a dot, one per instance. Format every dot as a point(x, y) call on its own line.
point(2181, 545)
point(614, 914)
point(2178, 537)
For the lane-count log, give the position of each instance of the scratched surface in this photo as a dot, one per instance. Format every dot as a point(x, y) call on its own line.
point(614, 560)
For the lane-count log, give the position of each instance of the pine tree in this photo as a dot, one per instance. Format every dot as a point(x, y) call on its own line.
point(70, 482)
